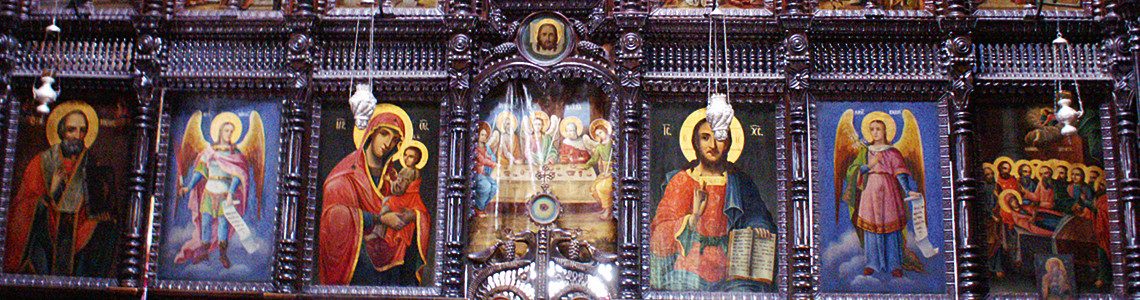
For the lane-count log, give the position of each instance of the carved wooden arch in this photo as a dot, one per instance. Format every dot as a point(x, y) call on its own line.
point(513, 66)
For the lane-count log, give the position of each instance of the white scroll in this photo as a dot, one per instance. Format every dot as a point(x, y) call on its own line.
point(918, 219)
point(239, 226)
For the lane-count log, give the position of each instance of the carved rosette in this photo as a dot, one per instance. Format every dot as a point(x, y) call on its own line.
point(797, 55)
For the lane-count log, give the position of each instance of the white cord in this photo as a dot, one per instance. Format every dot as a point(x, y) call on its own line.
point(709, 71)
point(1073, 69)
point(371, 48)
point(727, 86)
point(355, 42)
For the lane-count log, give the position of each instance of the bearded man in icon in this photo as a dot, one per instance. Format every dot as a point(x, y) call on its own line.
point(61, 222)
point(701, 204)
point(547, 43)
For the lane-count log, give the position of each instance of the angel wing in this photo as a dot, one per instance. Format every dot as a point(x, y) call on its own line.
point(910, 145)
point(554, 130)
point(847, 146)
point(192, 144)
point(253, 147)
point(493, 141)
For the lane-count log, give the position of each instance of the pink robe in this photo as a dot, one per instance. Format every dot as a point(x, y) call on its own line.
point(881, 206)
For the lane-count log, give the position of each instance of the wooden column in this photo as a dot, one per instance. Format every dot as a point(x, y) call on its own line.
point(460, 18)
point(293, 161)
point(958, 65)
point(630, 15)
point(797, 70)
point(147, 67)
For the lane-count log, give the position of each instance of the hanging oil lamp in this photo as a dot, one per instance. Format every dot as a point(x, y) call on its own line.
point(362, 101)
point(719, 111)
point(1065, 113)
point(46, 94)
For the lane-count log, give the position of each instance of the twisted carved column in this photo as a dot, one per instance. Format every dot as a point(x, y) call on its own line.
point(293, 160)
point(1121, 47)
point(958, 63)
point(634, 121)
point(630, 16)
point(10, 17)
point(456, 109)
point(797, 71)
point(147, 65)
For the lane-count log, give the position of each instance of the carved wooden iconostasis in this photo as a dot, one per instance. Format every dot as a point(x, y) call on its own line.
point(569, 149)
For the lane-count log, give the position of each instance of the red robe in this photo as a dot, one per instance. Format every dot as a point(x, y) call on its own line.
point(348, 192)
point(673, 216)
point(568, 154)
point(32, 191)
point(1007, 183)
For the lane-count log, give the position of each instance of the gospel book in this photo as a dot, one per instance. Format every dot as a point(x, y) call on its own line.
point(751, 257)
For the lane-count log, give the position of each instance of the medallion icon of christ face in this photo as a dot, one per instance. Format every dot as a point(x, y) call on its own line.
point(546, 39)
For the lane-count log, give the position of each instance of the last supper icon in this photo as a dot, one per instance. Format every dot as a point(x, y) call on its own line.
point(533, 142)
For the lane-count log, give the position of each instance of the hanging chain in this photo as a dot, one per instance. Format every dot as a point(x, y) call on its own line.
point(711, 56)
point(355, 43)
point(371, 47)
point(727, 86)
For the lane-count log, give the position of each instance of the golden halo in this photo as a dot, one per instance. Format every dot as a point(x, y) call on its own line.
point(1037, 169)
point(991, 167)
point(1005, 159)
point(1021, 163)
point(685, 138)
point(887, 120)
point(65, 108)
point(418, 145)
point(223, 118)
point(1084, 172)
point(1035, 163)
point(358, 134)
point(1004, 203)
point(1098, 170)
point(538, 114)
point(1060, 163)
point(602, 124)
point(570, 120)
point(505, 115)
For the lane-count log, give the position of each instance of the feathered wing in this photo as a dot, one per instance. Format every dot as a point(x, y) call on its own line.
point(192, 143)
point(910, 145)
point(253, 147)
point(493, 141)
point(846, 149)
point(555, 128)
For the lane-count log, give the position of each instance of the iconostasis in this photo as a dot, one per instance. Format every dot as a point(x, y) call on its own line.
point(569, 149)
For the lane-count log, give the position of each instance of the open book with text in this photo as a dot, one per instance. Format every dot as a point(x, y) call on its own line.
point(751, 257)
